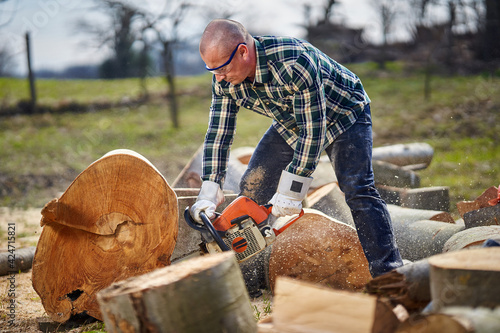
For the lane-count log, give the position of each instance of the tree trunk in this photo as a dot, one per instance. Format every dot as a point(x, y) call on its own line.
point(318, 249)
point(168, 62)
point(204, 294)
point(465, 278)
point(31, 75)
point(117, 219)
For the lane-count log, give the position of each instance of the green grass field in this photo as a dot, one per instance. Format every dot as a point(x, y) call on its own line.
point(461, 121)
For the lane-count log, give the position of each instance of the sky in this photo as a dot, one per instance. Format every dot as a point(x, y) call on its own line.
point(56, 45)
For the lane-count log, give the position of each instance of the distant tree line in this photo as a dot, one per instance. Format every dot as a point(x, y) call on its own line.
point(461, 36)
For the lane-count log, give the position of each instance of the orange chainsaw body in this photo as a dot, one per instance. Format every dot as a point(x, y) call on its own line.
point(241, 207)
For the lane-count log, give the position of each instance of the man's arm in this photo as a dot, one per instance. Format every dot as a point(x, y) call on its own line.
point(219, 137)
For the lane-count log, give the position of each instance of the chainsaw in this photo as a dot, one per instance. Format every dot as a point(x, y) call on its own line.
point(243, 227)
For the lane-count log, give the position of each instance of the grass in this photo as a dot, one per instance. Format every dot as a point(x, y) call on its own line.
point(461, 121)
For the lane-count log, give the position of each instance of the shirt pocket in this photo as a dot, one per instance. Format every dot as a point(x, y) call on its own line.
point(251, 104)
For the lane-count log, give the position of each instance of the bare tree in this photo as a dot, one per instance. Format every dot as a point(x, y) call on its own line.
point(166, 27)
point(388, 10)
point(119, 34)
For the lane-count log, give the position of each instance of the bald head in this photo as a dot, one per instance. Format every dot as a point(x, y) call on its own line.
point(223, 35)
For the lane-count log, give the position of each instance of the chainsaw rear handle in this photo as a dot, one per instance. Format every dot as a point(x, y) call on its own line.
point(208, 226)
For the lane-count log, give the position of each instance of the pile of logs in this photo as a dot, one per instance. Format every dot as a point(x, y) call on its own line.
point(109, 241)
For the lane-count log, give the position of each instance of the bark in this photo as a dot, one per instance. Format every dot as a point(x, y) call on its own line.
point(117, 219)
point(204, 294)
point(472, 237)
point(404, 154)
point(18, 260)
point(407, 285)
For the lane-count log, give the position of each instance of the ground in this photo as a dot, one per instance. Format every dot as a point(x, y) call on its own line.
point(29, 312)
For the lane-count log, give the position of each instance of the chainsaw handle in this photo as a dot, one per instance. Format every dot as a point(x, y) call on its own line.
point(213, 232)
point(208, 225)
point(280, 230)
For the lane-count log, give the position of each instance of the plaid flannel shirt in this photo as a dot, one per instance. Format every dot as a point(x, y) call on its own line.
point(311, 98)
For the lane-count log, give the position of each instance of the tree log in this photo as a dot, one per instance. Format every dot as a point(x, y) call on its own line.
point(482, 217)
point(117, 219)
point(465, 278)
point(480, 202)
point(303, 307)
point(204, 294)
point(473, 237)
point(404, 154)
point(392, 175)
point(321, 250)
point(422, 239)
point(18, 260)
point(407, 285)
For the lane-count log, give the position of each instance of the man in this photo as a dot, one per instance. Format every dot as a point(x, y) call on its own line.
point(316, 105)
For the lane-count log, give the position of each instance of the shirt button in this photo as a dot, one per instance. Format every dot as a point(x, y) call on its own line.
point(248, 106)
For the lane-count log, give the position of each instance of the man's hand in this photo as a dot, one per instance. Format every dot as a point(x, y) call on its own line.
point(209, 198)
point(292, 189)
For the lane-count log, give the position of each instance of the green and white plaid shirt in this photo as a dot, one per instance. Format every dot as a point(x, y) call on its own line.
point(311, 98)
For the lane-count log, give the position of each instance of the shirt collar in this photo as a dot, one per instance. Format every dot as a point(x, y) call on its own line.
point(261, 70)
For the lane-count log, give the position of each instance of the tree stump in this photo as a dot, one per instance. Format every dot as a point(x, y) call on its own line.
point(204, 294)
point(116, 220)
point(318, 249)
point(465, 278)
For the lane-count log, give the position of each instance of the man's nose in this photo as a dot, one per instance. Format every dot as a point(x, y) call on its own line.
point(219, 77)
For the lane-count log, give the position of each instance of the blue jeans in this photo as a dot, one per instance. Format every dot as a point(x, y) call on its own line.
point(351, 155)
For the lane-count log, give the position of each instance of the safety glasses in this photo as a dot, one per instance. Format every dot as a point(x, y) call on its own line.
point(222, 69)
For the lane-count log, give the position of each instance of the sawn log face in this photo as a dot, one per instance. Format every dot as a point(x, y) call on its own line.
point(116, 220)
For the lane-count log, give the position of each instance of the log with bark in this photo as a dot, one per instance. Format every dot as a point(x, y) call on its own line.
point(482, 201)
point(116, 220)
point(473, 237)
point(321, 250)
point(465, 278)
point(417, 153)
point(17, 260)
point(204, 294)
point(407, 285)
point(422, 239)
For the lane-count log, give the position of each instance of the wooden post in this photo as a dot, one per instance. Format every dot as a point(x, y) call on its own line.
point(31, 76)
point(204, 294)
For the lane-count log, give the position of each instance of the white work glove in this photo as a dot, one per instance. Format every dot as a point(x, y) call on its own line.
point(209, 198)
point(292, 189)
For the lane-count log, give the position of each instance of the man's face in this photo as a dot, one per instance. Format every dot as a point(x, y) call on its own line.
point(228, 67)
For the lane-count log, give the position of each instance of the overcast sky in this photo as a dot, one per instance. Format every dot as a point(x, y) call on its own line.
point(56, 45)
